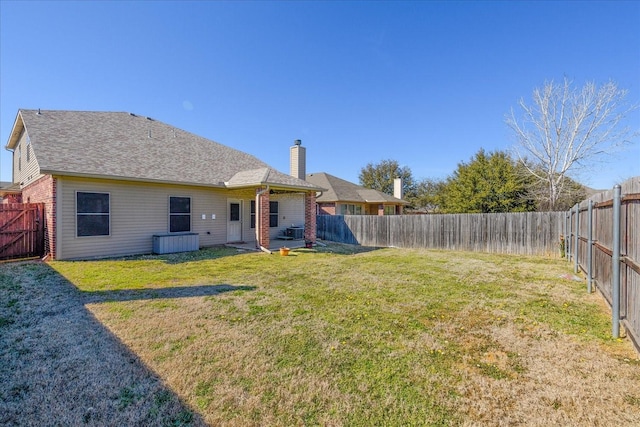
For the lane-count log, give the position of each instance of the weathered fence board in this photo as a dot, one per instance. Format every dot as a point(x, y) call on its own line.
point(21, 230)
point(529, 233)
point(601, 264)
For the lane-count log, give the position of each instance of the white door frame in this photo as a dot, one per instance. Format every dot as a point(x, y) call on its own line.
point(234, 227)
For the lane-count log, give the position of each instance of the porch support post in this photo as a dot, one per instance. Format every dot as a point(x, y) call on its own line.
point(310, 217)
point(262, 217)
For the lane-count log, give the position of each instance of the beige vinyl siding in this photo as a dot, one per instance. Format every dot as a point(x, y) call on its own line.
point(290, 212)
point(24, 171)
point(138, 211)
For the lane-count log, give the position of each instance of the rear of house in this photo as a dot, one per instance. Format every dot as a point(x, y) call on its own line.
point(112, 181)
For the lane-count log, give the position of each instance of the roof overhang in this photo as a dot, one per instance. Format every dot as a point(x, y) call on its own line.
point(16, 131)
point(275, 186)
point(126, 178)
point(9, 188)
point(380, 201)
point(221, 185)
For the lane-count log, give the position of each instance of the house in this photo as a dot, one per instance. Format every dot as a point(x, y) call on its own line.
point(111, 181)
point(345, 198)
point(9, 192)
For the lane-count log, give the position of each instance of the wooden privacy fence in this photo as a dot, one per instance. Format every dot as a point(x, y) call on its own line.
point(21, 230)
point(527, 233)
point(603, 240)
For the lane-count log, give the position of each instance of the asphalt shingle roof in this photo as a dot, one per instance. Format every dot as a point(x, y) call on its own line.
point(128, 146)
point(340, 190)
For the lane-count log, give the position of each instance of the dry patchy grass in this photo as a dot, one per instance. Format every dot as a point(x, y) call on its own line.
point(334, 336)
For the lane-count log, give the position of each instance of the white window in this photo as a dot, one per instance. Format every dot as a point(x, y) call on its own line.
point(273, 214)
point(350, 209)
point(92, 214)
point(179, 214)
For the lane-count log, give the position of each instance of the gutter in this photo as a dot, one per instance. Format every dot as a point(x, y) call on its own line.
point(45, 171)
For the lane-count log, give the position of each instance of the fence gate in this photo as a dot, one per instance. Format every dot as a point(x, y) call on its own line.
point(21, 230)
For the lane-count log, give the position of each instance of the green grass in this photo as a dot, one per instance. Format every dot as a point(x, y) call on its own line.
point(340, 335)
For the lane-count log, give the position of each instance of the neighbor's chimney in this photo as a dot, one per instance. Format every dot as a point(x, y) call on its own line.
point(298, 160)
point(397, 188)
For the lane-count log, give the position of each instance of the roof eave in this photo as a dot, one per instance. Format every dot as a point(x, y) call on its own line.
point(274, 186)
point(16, 130)
point(128, 178)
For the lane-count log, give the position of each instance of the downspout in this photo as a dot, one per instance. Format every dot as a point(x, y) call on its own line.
point(258, 220)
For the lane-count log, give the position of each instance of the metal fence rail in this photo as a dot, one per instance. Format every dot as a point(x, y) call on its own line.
point(603, 240)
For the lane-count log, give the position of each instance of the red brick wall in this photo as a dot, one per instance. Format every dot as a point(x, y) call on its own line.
point(326, 208)
point(44, 191)
point(263, 220)
point(12, 198)
point(310, 217)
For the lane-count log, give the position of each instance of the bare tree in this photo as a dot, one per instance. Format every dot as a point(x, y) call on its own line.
point(567, 129)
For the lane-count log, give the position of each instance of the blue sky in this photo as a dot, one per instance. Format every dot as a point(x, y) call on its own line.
point(425, 83)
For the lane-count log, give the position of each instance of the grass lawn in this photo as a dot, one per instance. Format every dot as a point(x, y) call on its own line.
point(333, 336)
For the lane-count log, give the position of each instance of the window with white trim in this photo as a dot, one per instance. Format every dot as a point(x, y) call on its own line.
point(253, 214)
point(93, 214)
point(179, 214)
point(273, 214)
point(349, 209)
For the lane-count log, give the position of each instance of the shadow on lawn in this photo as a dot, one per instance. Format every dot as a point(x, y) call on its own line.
point(61, 366)
point(213, 252)
point(344, 248)
point(160, 293)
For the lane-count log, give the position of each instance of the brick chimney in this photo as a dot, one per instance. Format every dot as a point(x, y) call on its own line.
point(298, 160)
point(397, 188)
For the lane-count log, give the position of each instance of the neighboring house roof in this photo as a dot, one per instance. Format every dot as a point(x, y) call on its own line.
point(9, 188)
point(339, 190)
point(131, 147)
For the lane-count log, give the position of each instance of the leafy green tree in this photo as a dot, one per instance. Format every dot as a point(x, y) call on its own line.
point(380, 177)
point(488, 183)
point(429, 195)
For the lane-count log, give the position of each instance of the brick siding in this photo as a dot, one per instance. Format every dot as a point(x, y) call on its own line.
point(310, 217)
point(12, 198)
point(263, 220)
point(326, 208)
point(43, 190)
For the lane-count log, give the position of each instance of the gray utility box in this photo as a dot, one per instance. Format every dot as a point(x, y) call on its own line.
point(175, 242)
